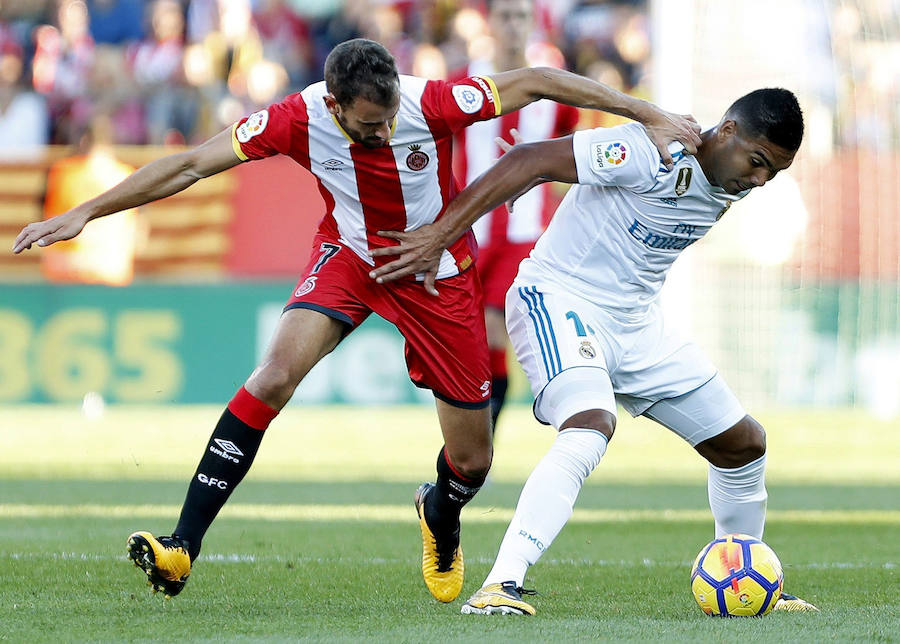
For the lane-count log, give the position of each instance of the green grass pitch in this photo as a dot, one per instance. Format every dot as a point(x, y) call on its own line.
point(320, 542)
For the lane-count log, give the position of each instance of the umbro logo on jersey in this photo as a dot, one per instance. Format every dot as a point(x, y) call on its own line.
point(334, 164)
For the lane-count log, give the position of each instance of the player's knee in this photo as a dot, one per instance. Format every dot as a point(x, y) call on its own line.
point(273, 382)
point(472, 464)
point(741, 444)
point(597, 419)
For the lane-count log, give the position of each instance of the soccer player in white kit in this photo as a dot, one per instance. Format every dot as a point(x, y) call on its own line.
point(586, 325)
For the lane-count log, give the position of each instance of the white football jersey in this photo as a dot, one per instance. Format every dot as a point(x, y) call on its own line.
point(617, 233)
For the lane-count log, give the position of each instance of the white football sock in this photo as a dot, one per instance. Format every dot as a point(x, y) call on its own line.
point(737, 498)
point(546, 502)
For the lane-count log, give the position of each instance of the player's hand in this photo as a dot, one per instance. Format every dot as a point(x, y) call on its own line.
point(50, 231)
point(505, 145)
point(664, 128)
point(419, 251)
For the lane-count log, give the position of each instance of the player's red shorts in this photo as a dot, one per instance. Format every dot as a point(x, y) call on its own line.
point(446, 346)
point(498, 264)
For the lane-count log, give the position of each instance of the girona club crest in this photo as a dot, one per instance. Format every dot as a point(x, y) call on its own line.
point(416, 160)
point(306, 287)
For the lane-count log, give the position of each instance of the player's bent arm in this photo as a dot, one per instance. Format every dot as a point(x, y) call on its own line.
point(513, 174)
point(156, 180)
point(519, 87)
point(525, 164)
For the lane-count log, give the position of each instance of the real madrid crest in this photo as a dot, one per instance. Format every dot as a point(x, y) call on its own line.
point(683, 182)
point(587, 350)
point(416, 160)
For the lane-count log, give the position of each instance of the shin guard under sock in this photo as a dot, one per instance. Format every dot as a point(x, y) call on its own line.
point(227, 458)
point(450, 494)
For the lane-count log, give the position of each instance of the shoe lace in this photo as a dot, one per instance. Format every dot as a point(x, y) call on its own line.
point(172, 543)
point(517, 591)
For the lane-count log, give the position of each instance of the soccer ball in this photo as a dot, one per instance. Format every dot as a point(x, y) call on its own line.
point(736, 576)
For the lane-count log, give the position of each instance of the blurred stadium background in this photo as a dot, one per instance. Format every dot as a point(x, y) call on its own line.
point(795, 294)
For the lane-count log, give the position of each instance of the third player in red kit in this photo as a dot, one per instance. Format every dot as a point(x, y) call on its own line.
point(505, 238)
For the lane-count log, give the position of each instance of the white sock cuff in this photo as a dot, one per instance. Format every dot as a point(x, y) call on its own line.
point(740, 484)
point(584, 445)
point(751, 467)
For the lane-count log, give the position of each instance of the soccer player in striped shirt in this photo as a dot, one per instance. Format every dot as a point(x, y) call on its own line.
point(379, 145)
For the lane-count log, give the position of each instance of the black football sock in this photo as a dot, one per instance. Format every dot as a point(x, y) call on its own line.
point(444, 503)
point(227, 458)
point(498, 395)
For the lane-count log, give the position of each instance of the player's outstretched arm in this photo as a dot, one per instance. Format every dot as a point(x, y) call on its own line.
point(420, 250)
point(520, 87)
point(156, 180)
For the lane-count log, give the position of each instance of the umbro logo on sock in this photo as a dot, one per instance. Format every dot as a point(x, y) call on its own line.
point(229, 450)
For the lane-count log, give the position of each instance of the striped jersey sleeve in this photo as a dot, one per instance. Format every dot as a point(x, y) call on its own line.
point(450, 106)
point(281, 128)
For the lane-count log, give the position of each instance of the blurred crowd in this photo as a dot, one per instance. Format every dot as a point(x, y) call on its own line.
point(178, 71)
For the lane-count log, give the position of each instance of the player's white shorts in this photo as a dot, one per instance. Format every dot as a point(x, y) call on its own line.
point(578, 357)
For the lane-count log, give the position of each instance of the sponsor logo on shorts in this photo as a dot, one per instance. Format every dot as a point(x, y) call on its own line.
point(255, 124)
point(308, 285)
point(212, 482)
point(228, 450)
point(468, 98)
point(416, 159)
point(587, 350)
point(485, 389)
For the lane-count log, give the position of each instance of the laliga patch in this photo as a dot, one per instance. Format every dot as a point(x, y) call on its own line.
point(308, 285)
point(255, 124)
point(609, 154)
point(468, 98)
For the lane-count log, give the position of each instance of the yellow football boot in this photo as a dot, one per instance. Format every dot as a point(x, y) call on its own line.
point(498, 599)
point(442, 563)
point(793, 604)
point(164, 559)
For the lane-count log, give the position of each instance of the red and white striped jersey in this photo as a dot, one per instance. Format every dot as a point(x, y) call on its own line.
point(400, 186)
point(476, 151)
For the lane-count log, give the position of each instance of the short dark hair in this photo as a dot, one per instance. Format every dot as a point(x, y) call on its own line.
point(773, 113)
point(361, 67)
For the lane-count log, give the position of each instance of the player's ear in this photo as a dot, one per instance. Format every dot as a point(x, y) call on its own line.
point(331, 103)
point(726, 129)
